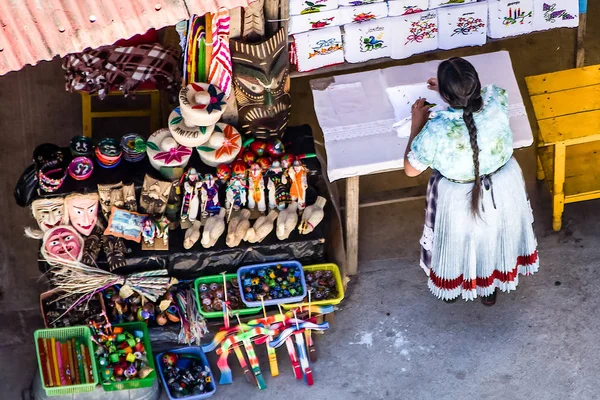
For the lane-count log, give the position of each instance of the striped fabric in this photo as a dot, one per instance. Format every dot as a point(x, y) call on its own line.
point(220, 65)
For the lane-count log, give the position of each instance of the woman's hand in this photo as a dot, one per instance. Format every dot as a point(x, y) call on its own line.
point(432, 84)
point(420, 115)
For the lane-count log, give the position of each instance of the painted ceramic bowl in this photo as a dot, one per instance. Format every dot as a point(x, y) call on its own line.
point(81, 168)
point(82, 146)
point(201, 104)
point(186, 134)
point(223, 146)
point(166, 155)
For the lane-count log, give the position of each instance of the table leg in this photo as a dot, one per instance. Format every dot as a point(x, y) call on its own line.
point(540, 170)
point(86, 114)
point(558, 194)
point(352, 207)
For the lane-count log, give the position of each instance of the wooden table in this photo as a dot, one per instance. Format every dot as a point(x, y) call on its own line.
point(567, 108)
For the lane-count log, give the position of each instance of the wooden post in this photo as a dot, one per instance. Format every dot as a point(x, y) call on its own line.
point(352, 207)
point(235, 24)
point(209, 43)
point(580, 40)
point(558, 194)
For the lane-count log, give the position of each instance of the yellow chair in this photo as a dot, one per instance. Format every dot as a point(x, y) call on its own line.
point(567, 109)
point(153, 112)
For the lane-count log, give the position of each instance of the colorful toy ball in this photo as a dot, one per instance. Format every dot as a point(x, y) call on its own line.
point(249, 157)
point(169, 359)
point(223, 172)
point(287, 160)
point(238, 168)
point(275, 148)
point(258, 147)
point(264, 163)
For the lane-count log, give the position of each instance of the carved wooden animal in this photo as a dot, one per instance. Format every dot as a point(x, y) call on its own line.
point(262, 227)
point(312, 216)
point(192, 235)
point(213, 229)
point(286, 221)
point(238, 226)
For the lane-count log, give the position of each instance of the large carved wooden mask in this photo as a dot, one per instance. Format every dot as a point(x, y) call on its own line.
point(262, 83)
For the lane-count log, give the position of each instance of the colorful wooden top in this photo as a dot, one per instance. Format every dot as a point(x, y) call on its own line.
point(567, 105)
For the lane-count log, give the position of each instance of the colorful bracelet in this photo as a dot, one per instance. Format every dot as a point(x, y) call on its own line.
point(48, 183)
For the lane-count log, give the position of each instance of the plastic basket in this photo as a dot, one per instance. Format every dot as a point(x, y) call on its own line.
point(197, 351)
point(74, 332)
point(293, 299)
point(135, 383)
point(219, 279)
point(338, 283)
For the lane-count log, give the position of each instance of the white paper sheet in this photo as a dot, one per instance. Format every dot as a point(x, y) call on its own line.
point(444, 3)
point(404, 96)
point(320, 48)
point(406, 7)
point(302, 7)
point(463, 26)
point(509, 18)
point(308, 22)
point(363, 13)
point(368, 40)
point(364, 142)
point(414, 33)
point(550, 14)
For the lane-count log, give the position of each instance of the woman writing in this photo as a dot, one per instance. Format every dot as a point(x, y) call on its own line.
point(478, 234)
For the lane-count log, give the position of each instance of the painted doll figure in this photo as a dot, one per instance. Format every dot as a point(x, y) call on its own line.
point(210, 196)
point(256, 189)
point(237, 192)
point(279, 195)
point(191, 196)
point(297, 174)
point(149, 231)
point(83, 211)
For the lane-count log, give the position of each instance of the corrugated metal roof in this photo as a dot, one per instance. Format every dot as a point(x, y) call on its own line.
point(35, 30)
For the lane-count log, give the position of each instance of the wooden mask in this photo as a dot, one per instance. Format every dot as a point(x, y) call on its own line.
point(262, 83)
point(49, 212)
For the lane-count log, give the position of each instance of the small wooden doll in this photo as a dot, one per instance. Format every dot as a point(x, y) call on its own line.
point(256, 186)
point(297, 174)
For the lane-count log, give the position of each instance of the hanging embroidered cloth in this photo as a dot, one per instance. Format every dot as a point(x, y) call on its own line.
point(406, 7)
point(463, 26)
point(510, 18)
point(220, 66)
point(363, 13)
point(443, 3)
point(309, 22)
point(302, 7)
point(317, 49)
point(369, 40)
point(415, 33)
point(549, 14)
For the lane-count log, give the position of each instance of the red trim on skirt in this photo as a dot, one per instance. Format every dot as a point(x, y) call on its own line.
point(450, 284)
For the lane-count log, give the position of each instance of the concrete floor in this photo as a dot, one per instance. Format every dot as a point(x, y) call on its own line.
point(392, 339)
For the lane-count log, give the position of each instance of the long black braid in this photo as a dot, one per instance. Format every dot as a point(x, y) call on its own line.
point(459, 85)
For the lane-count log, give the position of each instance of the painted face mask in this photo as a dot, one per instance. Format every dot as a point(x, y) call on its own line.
point(83, 212)
point(62, 242)
point(49, 213)
point(262, 84)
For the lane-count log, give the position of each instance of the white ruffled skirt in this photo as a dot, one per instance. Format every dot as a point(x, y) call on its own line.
point(471, 256)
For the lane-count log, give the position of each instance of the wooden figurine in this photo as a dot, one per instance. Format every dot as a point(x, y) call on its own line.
point(191, 196)
point(213, 229)
point(236, 193)
point(312, 216)
point(256, 186)
point(286, 221)
point(262, 227)
point(210, 196)
point(279, 195)
point(298, 176)
point(238, 226)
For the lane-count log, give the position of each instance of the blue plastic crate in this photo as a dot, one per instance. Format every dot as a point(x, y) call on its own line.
point(285, 300)
point(196, 351)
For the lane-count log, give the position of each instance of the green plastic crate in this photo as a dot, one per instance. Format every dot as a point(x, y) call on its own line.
point(134, 383)
point(219, 279)
point(73, 332)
